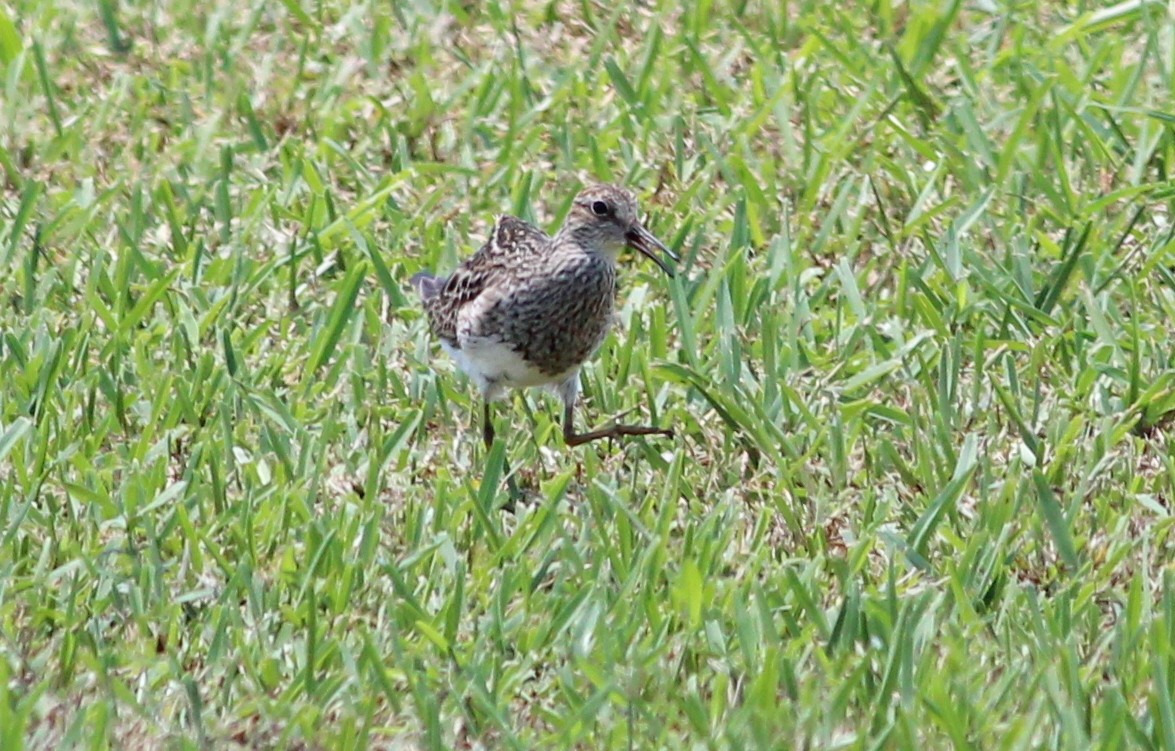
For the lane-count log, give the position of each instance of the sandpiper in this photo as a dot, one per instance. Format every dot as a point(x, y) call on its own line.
point(528, 309)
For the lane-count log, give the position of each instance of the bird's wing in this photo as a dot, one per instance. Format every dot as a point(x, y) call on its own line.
point(510, 242)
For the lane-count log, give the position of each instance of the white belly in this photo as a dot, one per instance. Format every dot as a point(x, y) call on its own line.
point(494, 366)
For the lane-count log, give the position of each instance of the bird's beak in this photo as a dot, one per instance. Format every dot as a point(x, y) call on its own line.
point(641, 239)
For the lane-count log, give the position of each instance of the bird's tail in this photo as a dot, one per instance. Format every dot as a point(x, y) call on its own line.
point(427, 284)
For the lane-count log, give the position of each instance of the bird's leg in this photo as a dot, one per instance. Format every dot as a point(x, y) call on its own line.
point(571, 438)
point(487, 425)
point(487, 435)
point(569, 390)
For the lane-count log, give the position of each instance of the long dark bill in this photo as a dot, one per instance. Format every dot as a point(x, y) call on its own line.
point(641, 239)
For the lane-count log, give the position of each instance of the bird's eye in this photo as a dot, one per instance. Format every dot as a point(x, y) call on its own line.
point(601, 208)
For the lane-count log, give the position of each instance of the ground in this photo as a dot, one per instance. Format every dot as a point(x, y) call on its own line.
point(918, 356)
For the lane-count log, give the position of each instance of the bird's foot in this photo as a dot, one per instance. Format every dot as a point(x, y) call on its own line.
point(614, 431)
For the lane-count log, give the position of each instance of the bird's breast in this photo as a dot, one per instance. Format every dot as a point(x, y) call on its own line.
point(556, 320)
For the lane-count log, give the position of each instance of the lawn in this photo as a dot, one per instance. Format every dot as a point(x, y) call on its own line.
point(919, 357)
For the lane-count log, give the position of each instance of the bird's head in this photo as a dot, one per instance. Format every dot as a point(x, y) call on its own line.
point(605, 217)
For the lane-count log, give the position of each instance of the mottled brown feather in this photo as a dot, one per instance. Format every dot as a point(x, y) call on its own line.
point(496, 261)
point(528, 309)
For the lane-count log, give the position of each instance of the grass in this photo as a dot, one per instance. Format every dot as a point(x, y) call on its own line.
point(919, 357)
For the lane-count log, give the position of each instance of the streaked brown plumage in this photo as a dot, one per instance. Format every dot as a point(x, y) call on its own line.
point(528, 309)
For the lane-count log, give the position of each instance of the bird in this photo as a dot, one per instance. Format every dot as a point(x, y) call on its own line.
point(529, 309)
